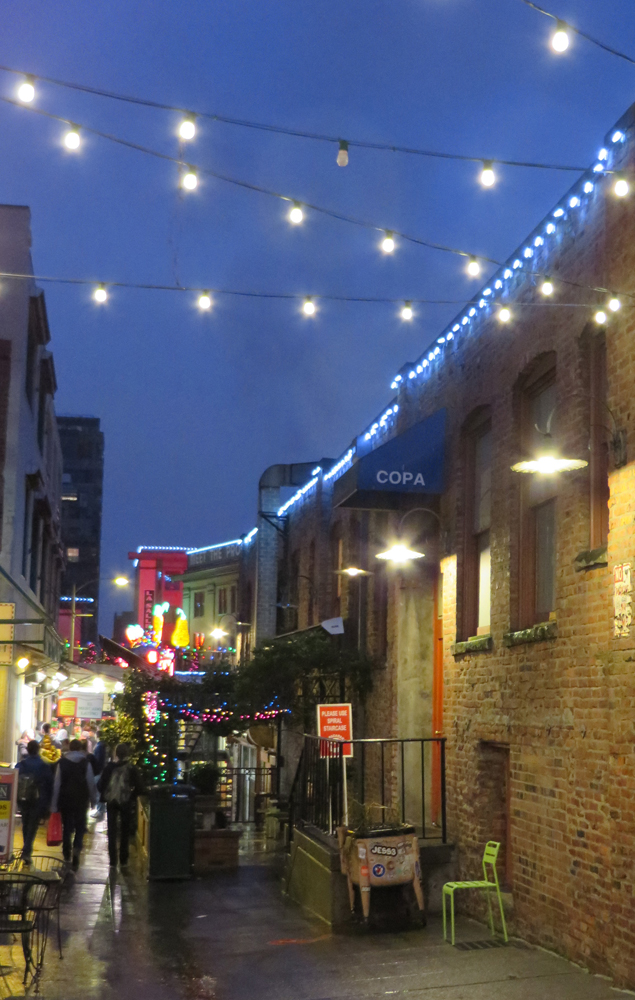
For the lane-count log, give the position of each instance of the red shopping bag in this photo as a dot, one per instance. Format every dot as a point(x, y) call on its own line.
point(54, 830)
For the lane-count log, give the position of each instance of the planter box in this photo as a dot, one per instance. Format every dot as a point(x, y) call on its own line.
point(214, 849)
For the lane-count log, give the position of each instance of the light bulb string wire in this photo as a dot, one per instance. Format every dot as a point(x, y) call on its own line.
point(258, 189)
point(295, 133)
point(577, 31)
point(301, 296)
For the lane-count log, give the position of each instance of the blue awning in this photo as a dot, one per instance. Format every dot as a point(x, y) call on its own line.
point(412, 462)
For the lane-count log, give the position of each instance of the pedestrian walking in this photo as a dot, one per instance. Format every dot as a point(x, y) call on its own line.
point(35, 787)
point(49, 752)
point(119, 785)
point(73, 790)
point(100, 755)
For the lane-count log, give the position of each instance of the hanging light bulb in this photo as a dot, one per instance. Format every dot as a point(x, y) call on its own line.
point(560, 38)
point(100, 294)
point(296, 214)
point(406, 312)
point(473, 267)
point(621, 187)
point(187, 128)
point(190, 180)
point(388, 243)
point(72, 138)
point(488, 177)
point(308, 306)
point(205, 301)
point(547, 287)
point(342, 154)
point(600, 317)
point(614, 304)
point(26, 90)
point(504, 315)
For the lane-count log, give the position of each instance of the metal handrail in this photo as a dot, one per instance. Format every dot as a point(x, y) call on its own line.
point(387, 766)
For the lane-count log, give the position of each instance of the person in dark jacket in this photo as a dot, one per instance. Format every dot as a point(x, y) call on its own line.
point(73, 790)
point(100, 755)
point(119, 784)
point(35, 787)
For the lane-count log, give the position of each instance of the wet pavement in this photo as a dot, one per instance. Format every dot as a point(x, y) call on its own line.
point(233, 936)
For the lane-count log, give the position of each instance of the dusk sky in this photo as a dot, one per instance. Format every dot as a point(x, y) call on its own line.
point(195, 406)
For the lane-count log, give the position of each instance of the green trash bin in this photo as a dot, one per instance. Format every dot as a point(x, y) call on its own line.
point(171, 847)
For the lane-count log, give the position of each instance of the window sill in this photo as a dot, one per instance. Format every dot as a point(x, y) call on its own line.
point(480, 644)
point(539, 633)
point(591, 559)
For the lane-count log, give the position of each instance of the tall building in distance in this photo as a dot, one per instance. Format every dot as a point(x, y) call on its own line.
point(82, 487)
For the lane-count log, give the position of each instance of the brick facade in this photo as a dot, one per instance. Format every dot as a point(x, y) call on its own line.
point(541, 733)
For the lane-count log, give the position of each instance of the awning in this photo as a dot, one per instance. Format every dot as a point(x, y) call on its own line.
point(383, 478)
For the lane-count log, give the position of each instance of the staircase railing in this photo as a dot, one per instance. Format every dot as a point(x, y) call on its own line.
point(393, 780)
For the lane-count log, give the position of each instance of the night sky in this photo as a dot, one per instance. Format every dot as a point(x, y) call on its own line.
point(195, 406)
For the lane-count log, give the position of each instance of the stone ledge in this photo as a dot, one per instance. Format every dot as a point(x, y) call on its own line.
point(539, 633)
point(480, 644)
point(591, 559)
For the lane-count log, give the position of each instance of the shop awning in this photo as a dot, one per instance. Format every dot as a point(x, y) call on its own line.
point(385, 478)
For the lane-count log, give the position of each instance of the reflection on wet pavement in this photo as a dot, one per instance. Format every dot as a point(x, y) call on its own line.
point(233, 936)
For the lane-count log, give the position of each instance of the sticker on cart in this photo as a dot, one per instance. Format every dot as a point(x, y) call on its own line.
point(378, 871)
point(361, 851)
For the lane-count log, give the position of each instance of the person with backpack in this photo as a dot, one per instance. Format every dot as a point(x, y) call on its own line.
point(73, 790)
point(35, 787)
point(120, 783)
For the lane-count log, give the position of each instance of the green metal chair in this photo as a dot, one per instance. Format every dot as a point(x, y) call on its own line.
point(490, 855)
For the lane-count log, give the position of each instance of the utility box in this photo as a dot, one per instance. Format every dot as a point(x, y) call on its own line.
point(171, 833)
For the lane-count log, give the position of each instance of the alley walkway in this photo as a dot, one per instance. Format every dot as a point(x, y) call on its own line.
point(234, 937)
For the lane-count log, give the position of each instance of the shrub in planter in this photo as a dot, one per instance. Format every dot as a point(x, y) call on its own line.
point(204, 777)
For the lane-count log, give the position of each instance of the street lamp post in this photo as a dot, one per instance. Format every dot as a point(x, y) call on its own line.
point(119, 581)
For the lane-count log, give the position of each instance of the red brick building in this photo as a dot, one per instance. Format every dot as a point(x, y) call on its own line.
point(513, 635)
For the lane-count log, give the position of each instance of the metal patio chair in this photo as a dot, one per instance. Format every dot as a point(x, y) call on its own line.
point(486, 885)
point(26, 903)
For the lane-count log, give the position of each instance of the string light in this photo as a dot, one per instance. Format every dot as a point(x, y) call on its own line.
point(560, 38)
point(547, 287)
point(473, 267)
point(72, 138)
point(100, 294)
point(600, 317)
point(504, 315)
point(388, 242)
point(488, 177)
point(406, 312)
point(621, 187)
point(308, 307)
point(190, 179)
point(614, 304)
point(343, 146)
point(296, 214)
point(26, 90)
point(205, 301)
point(187, 128)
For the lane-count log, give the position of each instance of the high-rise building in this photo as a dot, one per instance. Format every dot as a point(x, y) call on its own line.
point(82, 486)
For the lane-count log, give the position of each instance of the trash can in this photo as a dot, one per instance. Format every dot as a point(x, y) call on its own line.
point(171, 847)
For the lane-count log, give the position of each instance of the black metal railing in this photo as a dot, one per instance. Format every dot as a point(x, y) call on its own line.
point(244, 793)
point(384, 781)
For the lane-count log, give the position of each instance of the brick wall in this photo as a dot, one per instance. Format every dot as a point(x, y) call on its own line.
point(541, 736)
